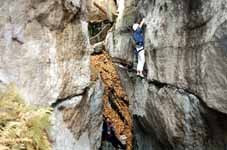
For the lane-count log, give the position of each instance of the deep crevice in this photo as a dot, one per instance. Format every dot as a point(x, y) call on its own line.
point(112, 99)
point(115, 100)
point(61, 100)
point(200, 25)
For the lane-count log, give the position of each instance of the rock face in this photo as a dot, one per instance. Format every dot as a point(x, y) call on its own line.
point(166, 117)
point(44, 48)
point(180, 105)
point(100, 10)
point(196, 58)
point(182, 101)
point(82, 116)
point(185, 45)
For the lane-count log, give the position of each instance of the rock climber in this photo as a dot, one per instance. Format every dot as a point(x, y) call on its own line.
point(109, 134)
point(138, 38)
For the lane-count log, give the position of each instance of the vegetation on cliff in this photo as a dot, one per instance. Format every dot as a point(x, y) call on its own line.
point(22, 126)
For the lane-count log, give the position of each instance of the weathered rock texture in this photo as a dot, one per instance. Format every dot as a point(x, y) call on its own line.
point(166, 117)
point(44, 48)
point(100, 10)
point(185, 44)
point(190, 48)
point(80, 120)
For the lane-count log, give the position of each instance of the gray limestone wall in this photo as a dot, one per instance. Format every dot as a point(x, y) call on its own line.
point(45, 52)
point(181, 103)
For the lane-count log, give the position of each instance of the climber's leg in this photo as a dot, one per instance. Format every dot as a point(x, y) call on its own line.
point(138, 64)
point(141, 62)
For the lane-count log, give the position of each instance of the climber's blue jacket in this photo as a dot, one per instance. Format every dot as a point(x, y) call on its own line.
point(138, 37)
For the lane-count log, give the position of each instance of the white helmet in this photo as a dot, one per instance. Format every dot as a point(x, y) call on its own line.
point(135, 26)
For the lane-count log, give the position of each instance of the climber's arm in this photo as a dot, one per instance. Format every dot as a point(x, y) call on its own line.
point(141, 23)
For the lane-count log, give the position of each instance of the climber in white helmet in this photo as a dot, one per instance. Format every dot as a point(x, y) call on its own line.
point(139, 42)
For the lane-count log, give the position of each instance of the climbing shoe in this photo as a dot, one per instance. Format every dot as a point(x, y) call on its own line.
point(141, 75)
